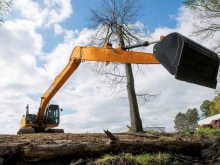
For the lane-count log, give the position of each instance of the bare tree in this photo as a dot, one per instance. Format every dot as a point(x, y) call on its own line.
point(115, 21)
point(4, 9)
point(208, 14)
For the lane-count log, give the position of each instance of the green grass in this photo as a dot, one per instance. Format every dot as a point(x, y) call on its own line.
point(162, 137)
point(208, 131)
point(145, 159)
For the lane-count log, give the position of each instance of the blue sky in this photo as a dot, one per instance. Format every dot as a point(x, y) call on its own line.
point(36, 42)
point(156, 13)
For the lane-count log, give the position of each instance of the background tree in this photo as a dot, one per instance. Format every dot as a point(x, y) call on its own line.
point(115, 21)
point(215, 106)
point(183, 122)
point(180, 122)
point(208, 14)
point(210, 108)
point(192, 116)
point(4, 9)
point(205, 108)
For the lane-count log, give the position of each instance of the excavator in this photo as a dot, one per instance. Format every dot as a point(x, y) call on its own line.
point(180, 56)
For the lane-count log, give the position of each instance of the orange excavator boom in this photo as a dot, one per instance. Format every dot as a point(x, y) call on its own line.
point(87, 53)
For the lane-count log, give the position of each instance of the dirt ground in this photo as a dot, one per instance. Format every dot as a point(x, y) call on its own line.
point(65, 148)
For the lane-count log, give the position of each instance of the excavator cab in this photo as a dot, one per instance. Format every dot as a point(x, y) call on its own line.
point(30, 118)
point(187, 60)
point(52, 114)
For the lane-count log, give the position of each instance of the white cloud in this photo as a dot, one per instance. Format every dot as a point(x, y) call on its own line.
point(20, 76)
point(51, 12)
point(87, 106)
point(20, 44)
point(58, 29)
point(29, 10)
point(22, 80)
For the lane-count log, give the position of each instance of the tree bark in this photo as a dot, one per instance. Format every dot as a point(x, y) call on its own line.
point(136, 123)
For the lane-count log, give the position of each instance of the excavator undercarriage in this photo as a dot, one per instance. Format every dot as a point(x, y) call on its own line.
point(34, 130)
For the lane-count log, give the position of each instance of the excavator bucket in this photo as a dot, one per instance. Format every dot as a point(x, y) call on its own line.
point(187, 60)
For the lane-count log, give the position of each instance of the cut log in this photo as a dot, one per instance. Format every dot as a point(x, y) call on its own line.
point(37, 147)
point(82, 150)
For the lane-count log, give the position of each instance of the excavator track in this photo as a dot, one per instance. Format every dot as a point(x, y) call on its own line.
point(54, 131)
point(26, 131)
point(31, 130)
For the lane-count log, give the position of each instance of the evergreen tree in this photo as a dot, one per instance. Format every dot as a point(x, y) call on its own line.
point(205, 108)
point(192, 116)
point(180, 122)
point(183, 122)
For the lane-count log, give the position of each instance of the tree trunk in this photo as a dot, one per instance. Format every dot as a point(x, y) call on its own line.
point(136, 123)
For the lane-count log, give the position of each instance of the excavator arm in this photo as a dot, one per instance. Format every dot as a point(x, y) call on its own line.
point(88, 53)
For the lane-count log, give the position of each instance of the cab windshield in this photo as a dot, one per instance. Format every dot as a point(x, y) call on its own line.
point(52, 116)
